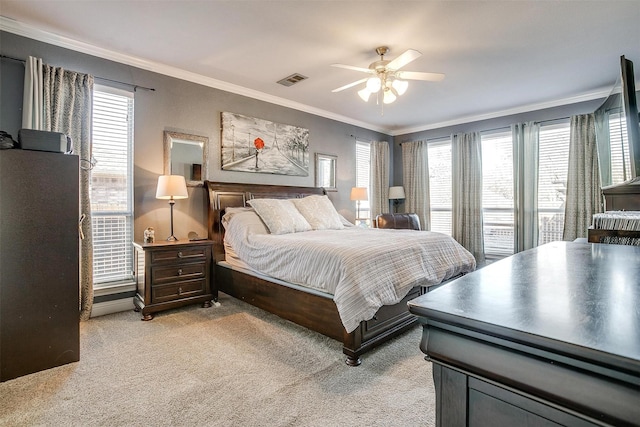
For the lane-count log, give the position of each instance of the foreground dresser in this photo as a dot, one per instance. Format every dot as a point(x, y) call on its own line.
point(172, 274)
point(39, 246)
point(547, 337)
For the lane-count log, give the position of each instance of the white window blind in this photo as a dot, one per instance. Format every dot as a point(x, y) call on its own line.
point(553, 164)
point(112, 186)
point(497, 193)
point(440, 188)
point(620, 157)
point(363, 168)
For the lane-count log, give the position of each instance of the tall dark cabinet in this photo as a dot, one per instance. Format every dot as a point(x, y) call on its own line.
point(39, 263)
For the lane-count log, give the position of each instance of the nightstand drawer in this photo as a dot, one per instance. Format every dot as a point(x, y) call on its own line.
point(173, 255)
point(172, 273)
point(173, 291)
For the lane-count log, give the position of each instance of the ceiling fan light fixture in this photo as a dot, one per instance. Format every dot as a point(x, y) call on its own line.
point(364, 94)
point(400, 86)
point(389, 97)
point(374, 84)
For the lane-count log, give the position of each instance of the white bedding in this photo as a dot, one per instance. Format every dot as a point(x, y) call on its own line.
point(364, 269)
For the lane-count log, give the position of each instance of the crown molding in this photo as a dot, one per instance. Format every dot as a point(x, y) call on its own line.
point(32, 32)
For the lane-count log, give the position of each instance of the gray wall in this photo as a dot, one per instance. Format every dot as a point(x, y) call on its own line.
point(181, 106)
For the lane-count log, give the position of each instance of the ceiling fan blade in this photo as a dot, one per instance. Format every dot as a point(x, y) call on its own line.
point(402, 60)
point(350, 85)
point(351, 67)
point(416, 75)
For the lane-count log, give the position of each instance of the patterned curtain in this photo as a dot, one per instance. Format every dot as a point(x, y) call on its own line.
point(583, 178)
point(466, 154)
point(525, 138)
point(379, 179)
point(415, 179)
point(68, 100)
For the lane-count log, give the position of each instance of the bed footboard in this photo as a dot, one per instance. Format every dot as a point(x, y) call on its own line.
point(318, 313)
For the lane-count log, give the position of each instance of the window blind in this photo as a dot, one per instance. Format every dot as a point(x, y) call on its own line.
point(112, 186)
point(497, 193)
point(363, 168)
point(553, 165)
point(620, 158)
point(440, 188)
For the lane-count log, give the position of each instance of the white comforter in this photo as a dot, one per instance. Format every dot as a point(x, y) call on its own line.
point(364, 269)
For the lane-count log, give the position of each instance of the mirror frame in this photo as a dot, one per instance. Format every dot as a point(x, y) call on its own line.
point(334, 161)
point(169, 137)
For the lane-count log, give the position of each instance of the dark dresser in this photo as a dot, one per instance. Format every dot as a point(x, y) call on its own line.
point(546, 337)
point(39, 263)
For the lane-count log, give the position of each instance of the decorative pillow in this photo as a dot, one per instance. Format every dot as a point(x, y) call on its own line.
point(280, 216)
point(319, 212)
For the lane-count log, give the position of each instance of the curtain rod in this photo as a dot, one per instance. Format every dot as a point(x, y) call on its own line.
point(135, 87)
point(498, 128)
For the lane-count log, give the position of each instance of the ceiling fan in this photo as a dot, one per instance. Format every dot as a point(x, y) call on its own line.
point(387, 76)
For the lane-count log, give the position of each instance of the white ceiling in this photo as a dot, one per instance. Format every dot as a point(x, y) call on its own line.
point(499, 57)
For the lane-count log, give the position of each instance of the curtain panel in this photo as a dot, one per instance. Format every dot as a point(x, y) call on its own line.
point(525, 137)
point(583, 178)
point(467, 222)
point(32, 100)
point(415, 180)
point(68, 102)
point(379, 179)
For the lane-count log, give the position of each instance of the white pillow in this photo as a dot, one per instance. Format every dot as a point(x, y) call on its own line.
point(319, 212)
point(245, 219)
point(280, 216)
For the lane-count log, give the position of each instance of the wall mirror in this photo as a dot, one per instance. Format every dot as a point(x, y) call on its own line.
point(326, 171)
point(186, 155)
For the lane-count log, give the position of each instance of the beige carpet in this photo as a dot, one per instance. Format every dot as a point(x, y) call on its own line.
point(232, 365)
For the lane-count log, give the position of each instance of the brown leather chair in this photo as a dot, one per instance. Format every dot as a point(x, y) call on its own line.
point(398, 220)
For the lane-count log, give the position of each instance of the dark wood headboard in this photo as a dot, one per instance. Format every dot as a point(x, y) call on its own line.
point(222, 195)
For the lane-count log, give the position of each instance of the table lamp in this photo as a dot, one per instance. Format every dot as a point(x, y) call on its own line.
point(358, 194)
point(171, 187)
point(395, 194)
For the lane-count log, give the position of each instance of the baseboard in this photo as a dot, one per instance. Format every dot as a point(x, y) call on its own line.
point(109, 307)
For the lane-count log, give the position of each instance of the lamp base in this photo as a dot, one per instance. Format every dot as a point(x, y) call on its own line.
point(172, 238)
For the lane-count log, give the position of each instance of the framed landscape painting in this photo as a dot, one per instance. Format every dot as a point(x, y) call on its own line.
point(255, 145)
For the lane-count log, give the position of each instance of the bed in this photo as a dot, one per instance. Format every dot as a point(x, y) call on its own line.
point(306, 303)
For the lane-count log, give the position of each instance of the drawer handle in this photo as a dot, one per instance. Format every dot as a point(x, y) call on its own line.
point(179, 254)
point(179, 272)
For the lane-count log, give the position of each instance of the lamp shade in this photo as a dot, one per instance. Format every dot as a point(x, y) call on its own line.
point(359, 193)
point(396, 193)
point(171, 187)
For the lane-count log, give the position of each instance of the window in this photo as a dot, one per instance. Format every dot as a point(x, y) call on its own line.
point(440, 188)
point(497, 193)
point(112, 186)
point(553, 164)
point(620, 158)
point(363, 166)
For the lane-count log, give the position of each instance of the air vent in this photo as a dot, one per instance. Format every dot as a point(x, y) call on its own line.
point(292, 79)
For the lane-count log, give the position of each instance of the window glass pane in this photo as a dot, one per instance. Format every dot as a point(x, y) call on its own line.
point(497, 193)
point(553, 164)
point(439, 153)
point(112, 187)
point(363, 166)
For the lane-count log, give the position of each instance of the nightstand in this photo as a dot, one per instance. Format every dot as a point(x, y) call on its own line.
point(172, 274)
